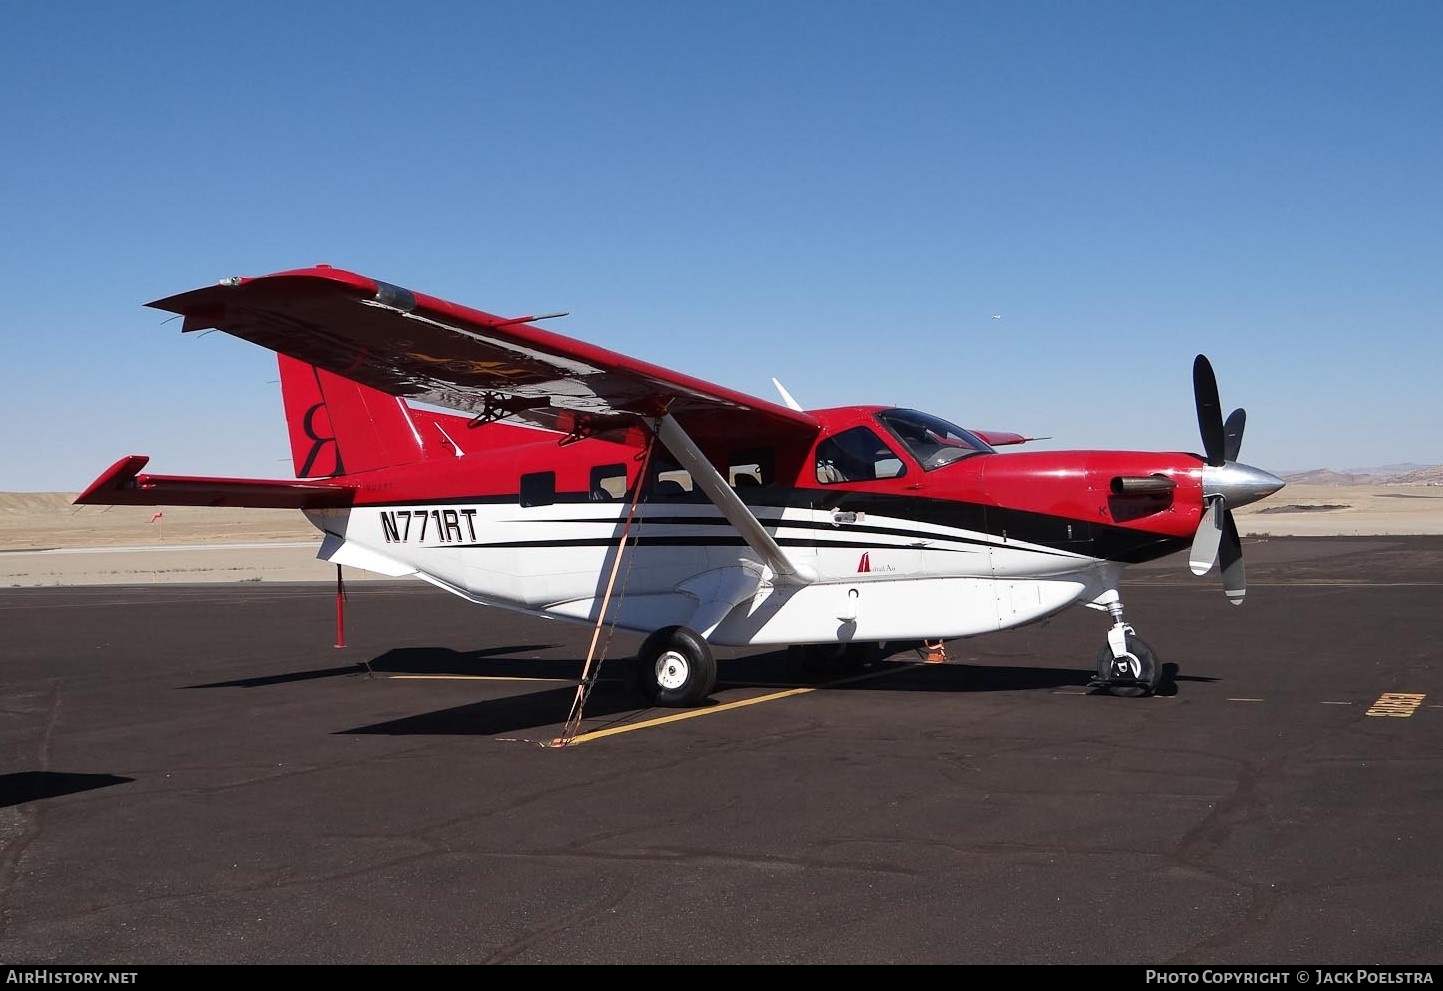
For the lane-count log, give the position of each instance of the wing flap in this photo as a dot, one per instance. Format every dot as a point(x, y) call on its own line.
point(122, 484)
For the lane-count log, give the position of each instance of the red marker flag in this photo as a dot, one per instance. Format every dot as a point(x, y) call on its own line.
point(156, 517)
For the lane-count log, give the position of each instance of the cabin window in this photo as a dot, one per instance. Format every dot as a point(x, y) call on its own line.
point(668, 480)
point(608, 483)
point(932, 441)
point(749, 469)
point(856, 455)
point(538, 488)
point(671, 484)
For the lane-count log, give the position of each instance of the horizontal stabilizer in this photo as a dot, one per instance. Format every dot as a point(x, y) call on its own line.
point(123, 485)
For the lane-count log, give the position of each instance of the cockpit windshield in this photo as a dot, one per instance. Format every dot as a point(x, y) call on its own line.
point(933, 441)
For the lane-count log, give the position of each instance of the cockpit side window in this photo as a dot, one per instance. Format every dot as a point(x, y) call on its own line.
point(856, 455)
point(931, 440)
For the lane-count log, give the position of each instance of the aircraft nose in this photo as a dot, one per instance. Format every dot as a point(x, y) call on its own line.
point(1239, 484)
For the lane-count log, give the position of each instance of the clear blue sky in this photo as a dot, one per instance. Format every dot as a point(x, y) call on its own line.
point(838, 194)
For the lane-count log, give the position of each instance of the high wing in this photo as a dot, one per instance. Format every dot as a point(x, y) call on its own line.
point(431, 351)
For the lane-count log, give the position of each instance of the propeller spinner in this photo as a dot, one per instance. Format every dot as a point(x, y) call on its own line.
point(1226, 484)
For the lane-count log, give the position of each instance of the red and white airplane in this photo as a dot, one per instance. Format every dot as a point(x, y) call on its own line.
point(519, 468)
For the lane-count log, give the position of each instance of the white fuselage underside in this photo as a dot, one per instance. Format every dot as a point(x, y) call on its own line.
point(879, 578)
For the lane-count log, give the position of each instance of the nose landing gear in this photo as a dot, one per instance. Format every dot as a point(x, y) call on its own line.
point(1126, 665)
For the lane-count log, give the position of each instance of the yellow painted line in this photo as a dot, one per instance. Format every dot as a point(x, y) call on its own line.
point(725, 707)
point(1399, 705)
point(471, 677)
point(1341, 583)
point(678, 716)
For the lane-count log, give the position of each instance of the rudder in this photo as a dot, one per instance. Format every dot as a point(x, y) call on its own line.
point(340, 427)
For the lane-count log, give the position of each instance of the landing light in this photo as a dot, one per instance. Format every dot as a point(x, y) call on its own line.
point(395, 297)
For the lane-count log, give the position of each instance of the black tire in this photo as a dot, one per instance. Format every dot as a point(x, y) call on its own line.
point(1142, 676)
point(675, 668)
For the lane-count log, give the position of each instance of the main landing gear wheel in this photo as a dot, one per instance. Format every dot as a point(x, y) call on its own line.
point(675, 668)
point(1133, 675)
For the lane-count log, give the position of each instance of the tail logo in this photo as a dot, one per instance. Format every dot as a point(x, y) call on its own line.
point(319, 443)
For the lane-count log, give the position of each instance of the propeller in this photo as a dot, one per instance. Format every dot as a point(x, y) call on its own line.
point(1226, 484)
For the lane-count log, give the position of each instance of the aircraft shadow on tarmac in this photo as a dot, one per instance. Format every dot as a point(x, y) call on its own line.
point(900, 673)
point(531, 710)
point(977, 678)
point(20, 787)
point(614, 696)
point(420, 661)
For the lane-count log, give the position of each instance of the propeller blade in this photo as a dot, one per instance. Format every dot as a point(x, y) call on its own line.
point(1233, 434)
point(1205, 541)
point(1209, 409)
point(1216, 539)
point(1235, 584)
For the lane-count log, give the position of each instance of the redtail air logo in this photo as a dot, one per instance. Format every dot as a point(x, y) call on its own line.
point(308, 424)
point(866, 563)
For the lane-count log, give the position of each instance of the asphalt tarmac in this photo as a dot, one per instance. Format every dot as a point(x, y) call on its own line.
point(200, 775)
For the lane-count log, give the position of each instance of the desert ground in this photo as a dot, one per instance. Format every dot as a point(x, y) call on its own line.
point(47, 540)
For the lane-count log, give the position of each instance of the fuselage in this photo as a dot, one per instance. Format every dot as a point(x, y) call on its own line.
point(906, 538)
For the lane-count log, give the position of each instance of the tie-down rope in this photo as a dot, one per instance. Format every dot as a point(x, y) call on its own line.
point(588, 677)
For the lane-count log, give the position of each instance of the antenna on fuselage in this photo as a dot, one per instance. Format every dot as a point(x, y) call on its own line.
point(787, 396)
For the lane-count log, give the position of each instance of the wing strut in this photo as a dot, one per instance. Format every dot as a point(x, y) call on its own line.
point(684, 449)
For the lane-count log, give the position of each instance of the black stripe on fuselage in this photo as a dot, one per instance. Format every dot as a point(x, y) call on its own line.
point(1001, 525)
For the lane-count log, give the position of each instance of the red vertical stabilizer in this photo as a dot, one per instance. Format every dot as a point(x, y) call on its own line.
point(340, 427)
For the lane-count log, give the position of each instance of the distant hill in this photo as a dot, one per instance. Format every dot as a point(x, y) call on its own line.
point(1402, 474)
